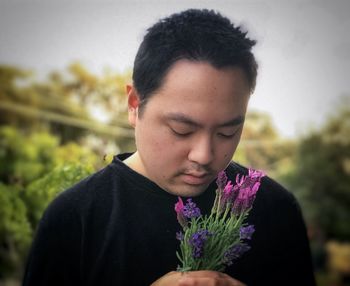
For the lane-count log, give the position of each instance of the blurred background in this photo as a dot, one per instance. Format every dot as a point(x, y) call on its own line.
point(63, 70)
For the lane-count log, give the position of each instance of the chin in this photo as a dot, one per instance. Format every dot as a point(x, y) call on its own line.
point(187, 191)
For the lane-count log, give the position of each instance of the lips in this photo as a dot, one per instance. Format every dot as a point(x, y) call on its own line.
point(197, 174)
point(196, 178)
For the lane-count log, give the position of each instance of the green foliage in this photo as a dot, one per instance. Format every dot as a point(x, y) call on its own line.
point(15, 230)
point(25, 158)
point(42, 191)
point(34, 168)
point(322, 177)
point(70, 104)
point(23, 100)
point(262, 148)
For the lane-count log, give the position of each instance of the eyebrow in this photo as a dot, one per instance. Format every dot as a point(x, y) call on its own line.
point(180, 117)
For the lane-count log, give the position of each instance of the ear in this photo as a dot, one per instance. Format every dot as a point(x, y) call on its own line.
point(133, 104)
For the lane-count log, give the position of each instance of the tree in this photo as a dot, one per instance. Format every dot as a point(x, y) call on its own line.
point(69, 104)
point(15, 230)
point(34, 169)
point(322, 174)
point(262, 148)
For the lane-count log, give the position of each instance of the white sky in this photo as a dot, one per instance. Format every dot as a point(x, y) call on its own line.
point(303, 46)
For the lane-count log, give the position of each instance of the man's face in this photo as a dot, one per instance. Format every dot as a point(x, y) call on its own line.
point(189, 129)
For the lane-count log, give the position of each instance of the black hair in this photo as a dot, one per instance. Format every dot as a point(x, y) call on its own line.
point(198, 35)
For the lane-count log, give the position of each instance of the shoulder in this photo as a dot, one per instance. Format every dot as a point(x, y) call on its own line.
point(86, 187)
point(77, 199)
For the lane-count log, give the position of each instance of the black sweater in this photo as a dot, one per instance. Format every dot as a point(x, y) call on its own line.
point(116, 227)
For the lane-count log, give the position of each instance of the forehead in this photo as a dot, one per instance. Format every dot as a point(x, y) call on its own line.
point(201, 91)
point(196, 80)
point(189, 75)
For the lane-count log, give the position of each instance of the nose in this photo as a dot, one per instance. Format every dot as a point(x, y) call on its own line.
point(202, 151)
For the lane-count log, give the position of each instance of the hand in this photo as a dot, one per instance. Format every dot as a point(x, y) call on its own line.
point(197, 278)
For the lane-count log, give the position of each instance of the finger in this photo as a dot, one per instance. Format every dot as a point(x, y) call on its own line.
point(206, 277)
point(192, 281)
point(206, 273)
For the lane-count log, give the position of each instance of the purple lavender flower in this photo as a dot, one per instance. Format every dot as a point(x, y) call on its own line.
point(195, 237)
point(228, 189)
point(197, 242)
point(179, 208)
point(190, 210)
point(180, 236)
point(247, 186)
point(249, 180)
point(221, 180)
point(255, 174)
point(230, 193)
point(245, 198)
point(234, 252)
point(228, 196)
point(246, 232)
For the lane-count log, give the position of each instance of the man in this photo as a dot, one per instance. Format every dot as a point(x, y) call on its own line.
point(193, 76)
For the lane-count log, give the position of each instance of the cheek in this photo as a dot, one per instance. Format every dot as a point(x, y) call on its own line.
point(226, 152)
point(165, 140)
point(227, 156)
point(161, 144)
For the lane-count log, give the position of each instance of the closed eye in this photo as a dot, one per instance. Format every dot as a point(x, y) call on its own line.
point(227, 135)
point(180, 134)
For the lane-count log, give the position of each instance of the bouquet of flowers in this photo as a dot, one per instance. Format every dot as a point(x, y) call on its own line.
point(213, 242)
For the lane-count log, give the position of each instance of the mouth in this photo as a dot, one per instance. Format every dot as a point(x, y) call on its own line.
point(196, 178)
